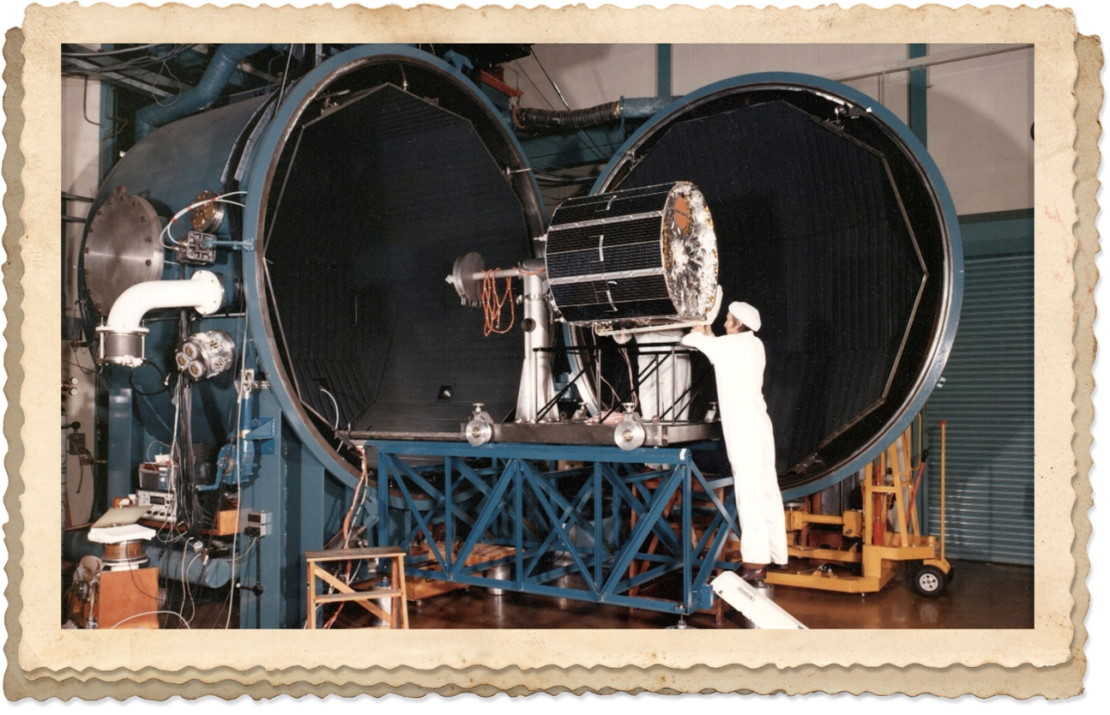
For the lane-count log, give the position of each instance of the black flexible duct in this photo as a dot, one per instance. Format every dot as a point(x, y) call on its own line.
point(532, 118)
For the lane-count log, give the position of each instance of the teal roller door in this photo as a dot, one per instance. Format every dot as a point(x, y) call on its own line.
point(987, 399)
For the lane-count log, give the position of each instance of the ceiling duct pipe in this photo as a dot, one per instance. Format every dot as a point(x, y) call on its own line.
point(216, 76)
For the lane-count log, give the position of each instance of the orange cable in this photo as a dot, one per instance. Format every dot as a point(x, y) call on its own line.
point(347, 527)
point(493, 304)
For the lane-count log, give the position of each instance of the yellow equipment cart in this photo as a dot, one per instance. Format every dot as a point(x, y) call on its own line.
point(878, 536)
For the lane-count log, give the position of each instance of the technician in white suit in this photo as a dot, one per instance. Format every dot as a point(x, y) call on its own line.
point(738, 360)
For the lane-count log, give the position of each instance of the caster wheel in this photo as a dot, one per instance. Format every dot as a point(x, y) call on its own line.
point(929, 581)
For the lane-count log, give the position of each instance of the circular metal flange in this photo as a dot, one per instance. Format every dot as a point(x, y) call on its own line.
point(122, 347)
point(123, 247)
point(125, 555)
point(209, 215)
point(216, 298)
point(478, 432)
point(630, 434)
point(462, 277)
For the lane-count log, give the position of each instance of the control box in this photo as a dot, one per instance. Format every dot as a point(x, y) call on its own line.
point(156, 476)
point(162, 505)
point(258, 523)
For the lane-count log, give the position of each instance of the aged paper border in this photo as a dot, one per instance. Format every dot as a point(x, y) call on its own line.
point(46, 662)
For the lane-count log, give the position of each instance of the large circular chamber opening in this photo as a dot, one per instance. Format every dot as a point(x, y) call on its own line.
point(832, 221)
point(387, 170)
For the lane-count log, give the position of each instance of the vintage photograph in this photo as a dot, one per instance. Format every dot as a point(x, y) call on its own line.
point(456, 350)
point(413, 336)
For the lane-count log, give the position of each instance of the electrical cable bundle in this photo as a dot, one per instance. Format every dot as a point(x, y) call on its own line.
point(189, 509)
point(140, 62)
point(493, 304)
point(358, 500)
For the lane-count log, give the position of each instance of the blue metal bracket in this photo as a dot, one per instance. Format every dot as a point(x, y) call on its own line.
point(458, 61)
point(610, 531)
point(263, 430)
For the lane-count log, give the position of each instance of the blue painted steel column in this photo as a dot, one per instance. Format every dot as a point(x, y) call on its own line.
point(919, 87)
point(518, 528)
point(305, 512)
point(599, 523)
point(263, 602)
point(663, 70)
point(383, 497)
point(449, 508)
point(687, 530)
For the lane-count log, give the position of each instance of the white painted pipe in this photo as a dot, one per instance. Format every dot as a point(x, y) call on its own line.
point(203, 292)
point(500, 273)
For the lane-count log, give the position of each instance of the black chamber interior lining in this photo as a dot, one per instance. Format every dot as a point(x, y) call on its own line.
point(811, 231)
point(382, 196)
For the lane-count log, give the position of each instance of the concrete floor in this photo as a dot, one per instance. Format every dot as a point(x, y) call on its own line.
point(972, 600)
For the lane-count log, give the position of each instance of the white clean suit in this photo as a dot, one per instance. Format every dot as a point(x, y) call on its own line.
point(738, 361)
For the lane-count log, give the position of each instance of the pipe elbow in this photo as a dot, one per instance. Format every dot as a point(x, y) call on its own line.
point(203, 292)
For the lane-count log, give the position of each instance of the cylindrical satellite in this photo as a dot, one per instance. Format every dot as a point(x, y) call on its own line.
point(630, 256)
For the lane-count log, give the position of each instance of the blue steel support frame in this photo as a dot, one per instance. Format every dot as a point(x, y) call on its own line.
point(663, 65)
point(264, 587)
point(555, 520)
point(919, 96)
point(291, 487)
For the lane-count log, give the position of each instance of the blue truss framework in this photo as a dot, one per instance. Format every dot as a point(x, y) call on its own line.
point(601, 531)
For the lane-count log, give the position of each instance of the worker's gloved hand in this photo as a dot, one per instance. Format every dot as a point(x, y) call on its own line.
point(715, 309)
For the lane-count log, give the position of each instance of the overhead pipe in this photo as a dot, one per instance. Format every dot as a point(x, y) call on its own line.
point(203, 95)
point(122, 336)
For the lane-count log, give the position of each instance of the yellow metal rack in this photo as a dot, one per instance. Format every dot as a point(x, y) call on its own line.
point(886, 530)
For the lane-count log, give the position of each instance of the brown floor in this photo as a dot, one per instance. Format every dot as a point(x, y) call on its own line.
point(980, 596)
